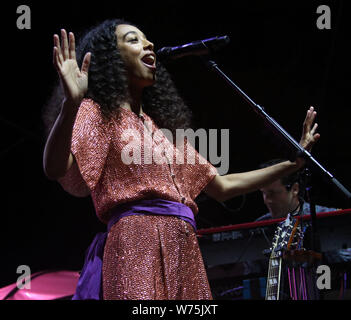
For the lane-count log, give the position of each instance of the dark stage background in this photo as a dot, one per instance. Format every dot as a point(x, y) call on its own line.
point(277, 55)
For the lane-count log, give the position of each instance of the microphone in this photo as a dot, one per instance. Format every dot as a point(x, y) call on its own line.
point(196, 48)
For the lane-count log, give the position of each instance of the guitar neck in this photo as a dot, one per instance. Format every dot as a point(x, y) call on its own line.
point(273, 277)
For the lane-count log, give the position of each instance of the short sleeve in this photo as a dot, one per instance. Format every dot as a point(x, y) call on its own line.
point(197, 171)
point(74, 183)
point(90, 145)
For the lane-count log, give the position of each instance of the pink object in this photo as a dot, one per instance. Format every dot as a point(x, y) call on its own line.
point(45, 285)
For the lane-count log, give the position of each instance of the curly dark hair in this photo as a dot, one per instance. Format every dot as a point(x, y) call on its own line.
point(107, 83)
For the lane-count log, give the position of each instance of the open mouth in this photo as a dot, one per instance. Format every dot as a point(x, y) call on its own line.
point(149, 61)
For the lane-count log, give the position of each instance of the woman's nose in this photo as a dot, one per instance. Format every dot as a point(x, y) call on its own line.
point(148, 45)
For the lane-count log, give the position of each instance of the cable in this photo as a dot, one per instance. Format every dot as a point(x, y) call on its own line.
point(237, 209)
point(245, 248)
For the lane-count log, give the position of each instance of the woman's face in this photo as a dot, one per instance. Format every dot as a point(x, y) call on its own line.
point(137, 54)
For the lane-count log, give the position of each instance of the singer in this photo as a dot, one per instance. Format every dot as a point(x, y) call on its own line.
point(113, 82)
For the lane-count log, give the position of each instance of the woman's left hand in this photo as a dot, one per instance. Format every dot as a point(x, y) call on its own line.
point(309, 136)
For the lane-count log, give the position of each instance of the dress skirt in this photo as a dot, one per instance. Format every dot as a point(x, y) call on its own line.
point(153, 257)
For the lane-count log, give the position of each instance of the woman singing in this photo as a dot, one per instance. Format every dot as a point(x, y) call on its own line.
point(104, 141)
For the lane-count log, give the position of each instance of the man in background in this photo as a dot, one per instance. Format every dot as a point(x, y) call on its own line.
point(284, 196)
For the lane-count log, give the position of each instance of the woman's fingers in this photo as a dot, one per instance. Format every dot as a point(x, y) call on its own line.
point(58, 47)
point(309, 135)
point(86, 63)
point(64, 57)
point(72, 46)
point(310, 117)
point(64, 44)
point(64, 50)
point(56, 60)
point(314, 129)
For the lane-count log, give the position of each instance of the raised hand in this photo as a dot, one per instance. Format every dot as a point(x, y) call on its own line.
point(74, 81)
point(309, 136)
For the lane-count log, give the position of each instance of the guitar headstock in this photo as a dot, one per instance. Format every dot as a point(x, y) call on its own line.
point(284, 234)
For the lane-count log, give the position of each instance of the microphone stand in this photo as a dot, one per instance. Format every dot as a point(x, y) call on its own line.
point(314, 256)
point(306, 184)
point(280, 132)
point(315, 241)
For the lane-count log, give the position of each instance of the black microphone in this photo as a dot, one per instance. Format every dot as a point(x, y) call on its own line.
point(197, 48)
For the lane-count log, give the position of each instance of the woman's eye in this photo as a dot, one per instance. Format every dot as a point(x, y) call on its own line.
point(133, 40)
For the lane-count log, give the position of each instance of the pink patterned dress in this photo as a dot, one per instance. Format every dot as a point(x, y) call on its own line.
point(127, 158)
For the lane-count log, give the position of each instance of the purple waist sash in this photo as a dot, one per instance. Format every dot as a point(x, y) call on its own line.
point(89, 285)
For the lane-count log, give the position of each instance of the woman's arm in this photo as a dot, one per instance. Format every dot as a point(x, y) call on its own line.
point(225, 187)
point(57, 158)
